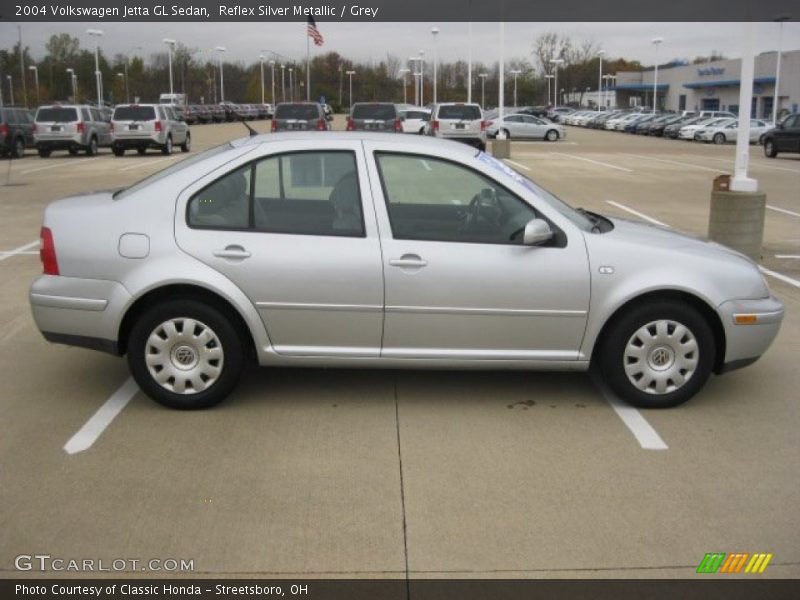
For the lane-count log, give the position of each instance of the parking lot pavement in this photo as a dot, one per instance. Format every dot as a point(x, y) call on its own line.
point(384, 474)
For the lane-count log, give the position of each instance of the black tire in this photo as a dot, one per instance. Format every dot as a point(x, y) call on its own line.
point(91, 149)
point(187, 145)
point(44, 153)
point(507, 133)
point(551, 135)
point(141, 151)
point(233, 354)
point(610, 355)
point(118, 151)
point(167, 147)
point(482, 146)
point(769, 149)
point(72, 151)
point(719, 138)
point(18, 149)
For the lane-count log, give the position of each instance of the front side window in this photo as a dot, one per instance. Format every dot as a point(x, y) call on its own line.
point(433, 199)
point(225, 204)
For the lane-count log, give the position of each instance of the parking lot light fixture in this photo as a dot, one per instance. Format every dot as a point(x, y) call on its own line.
point(74, 80)
point(515, 72)
point(272, 70)
point(350, 77)
point(657, 41)
point(403, 72)
point(261, 60)
point(170, 47)
point(414, 60)
point(435, 32)
point(483, 77)
point(291, 84)
point(221, 50)
point(556, 62)
point(97, 33)
point(549, 93)
point(283, 83)
point(776, 98)
point(10, 89)
point(422, 78)
point(600, 99)
point(35, 70)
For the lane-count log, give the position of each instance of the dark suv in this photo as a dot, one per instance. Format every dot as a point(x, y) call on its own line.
point(299, 116)
point(784, 138)
point(16, 131)
point(374, 116)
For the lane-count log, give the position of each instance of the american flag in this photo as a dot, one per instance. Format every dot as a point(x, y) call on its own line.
point(314, 33)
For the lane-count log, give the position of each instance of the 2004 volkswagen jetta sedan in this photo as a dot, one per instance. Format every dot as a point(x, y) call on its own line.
point(376, 250)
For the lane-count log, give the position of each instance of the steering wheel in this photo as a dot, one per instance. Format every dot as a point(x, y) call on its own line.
point(484, 206)
point(516, 232)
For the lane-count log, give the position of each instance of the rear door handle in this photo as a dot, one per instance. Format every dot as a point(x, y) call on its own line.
point(233, 252)
point(408, 260)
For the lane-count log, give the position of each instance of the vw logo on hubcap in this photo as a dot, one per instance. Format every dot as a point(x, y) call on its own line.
point(661, 358)
point(184, 356)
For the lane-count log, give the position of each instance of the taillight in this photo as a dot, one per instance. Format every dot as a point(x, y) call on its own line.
point(321, 125)
point(111, 127)
point(398, 126)
point(4, 130)
point(436, 125)
point(47, 252)
point(80, 127)
point(158, 125)
point(349, 124)
point(274, 126)
point(35, 128)
point(489, 123)
point(483, 125)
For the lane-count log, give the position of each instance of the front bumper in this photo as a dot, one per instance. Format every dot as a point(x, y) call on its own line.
point(79, 312)
point(758, 323)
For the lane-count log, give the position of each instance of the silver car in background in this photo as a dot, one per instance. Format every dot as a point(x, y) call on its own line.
point(526, 127)
point(143, 126)
point(71, 127)
point(458, 121)
point(382, 250)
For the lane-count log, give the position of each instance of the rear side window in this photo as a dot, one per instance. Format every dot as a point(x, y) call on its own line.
point(304, 112)
point(463, 112)
point(57, 115)
point(383, 112)
point(134, 113)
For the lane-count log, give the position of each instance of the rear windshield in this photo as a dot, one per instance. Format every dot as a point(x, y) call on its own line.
point(57, 115)
point(464, 112)
point(297, 111)
point(134, 113)
point(384, 112)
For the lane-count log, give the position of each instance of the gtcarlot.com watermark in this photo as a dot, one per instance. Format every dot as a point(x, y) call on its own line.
point(46, 562)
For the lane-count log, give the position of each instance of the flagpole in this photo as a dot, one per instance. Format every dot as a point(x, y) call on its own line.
point(308, 66)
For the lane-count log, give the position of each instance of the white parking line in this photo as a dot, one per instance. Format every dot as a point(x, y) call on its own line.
point(783, 210)
point(751, 163)
point(644, 433)
point(637, 213)
point(560, 142)
point(596, 162)
point(91, 430)
point(516, 164)
point(150, 162)
point(21, 250)
point(65, 162)
point(781, 276)
point(675, 162)
point(793, 256)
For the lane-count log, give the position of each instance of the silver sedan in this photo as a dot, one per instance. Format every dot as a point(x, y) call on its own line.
point(526, 127)
point(377, 250)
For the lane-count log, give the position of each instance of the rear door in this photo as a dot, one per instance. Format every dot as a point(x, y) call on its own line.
point(295, 230)
point(787, 137)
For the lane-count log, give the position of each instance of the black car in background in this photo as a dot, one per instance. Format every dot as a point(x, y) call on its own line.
point(659, 126)
point(671, 130)
point(784, 138)
point(16, 131)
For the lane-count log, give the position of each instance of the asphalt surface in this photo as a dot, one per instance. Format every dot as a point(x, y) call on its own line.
point(407, 473)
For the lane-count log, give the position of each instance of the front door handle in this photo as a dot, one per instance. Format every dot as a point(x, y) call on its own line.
point(408, 261)
point(232, 252)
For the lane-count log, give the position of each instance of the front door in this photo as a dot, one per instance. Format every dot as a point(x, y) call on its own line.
point(290, 229)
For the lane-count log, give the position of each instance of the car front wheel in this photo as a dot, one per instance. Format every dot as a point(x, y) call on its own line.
point(186, 146)
point(551, 136)
point(769, 149)
point(719, 138)
point(658, 354)
point(91, 149)
point(167, 147)
point(185, 354)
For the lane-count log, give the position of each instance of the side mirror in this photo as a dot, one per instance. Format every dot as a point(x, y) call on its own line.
point(537, 232)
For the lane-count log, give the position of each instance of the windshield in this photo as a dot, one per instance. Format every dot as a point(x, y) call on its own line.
point(464, 112)
point(151, 179)
point(134, 113)
point(383, 112)
point(57, 115)
point(307, 112)
point(563, 208)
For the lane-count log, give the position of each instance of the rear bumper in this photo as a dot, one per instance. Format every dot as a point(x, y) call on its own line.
point(746, 343)
point(138, 141)
point(79, 312)
point(60, 142)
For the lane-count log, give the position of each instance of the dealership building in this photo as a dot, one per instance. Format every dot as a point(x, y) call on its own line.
point(713, 86)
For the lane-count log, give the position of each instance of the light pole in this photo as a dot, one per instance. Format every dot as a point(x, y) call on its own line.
point(403, 73)
point(272, 69)
point(36, 80)
point(515, 72)
point(549, 93)
point(776, 98)
point(435, 32)
point(350, 76)
point(10, 88)
point(341, 84)
point(261, 58)
point(97, 33)
point(74, 80)
point(127, 58)
point(170, 47)
point(483, 77)
point(291, 84)
point(283, 83)
point(422, 78)
point(656, 42)
point(221, 50)
point(556, 62)
point(124, 82)
point(415, 71)
point(600, 53)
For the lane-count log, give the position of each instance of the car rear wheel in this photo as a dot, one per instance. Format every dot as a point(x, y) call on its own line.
point(167, 147)
point(551, 136)
point(72, 151)
point(186, 146)
point(657, 355)
point(43, 153)
point(719, 138)
point(91, 149)
point(507, 133)
point(118, 151)
point(19, 148)
point(141, 151)
point(770, 151)
point(185, 354)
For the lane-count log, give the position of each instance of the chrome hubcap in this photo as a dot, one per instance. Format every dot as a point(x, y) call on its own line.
point(184, 356)
point(660, 357)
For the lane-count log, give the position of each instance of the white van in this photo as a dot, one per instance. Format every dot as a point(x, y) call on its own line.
point(174, 99)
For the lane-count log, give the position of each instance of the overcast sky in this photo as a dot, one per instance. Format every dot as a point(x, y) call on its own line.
point(372, 41)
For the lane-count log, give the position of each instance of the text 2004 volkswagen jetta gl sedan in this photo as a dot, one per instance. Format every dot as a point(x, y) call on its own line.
point(376, 250)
